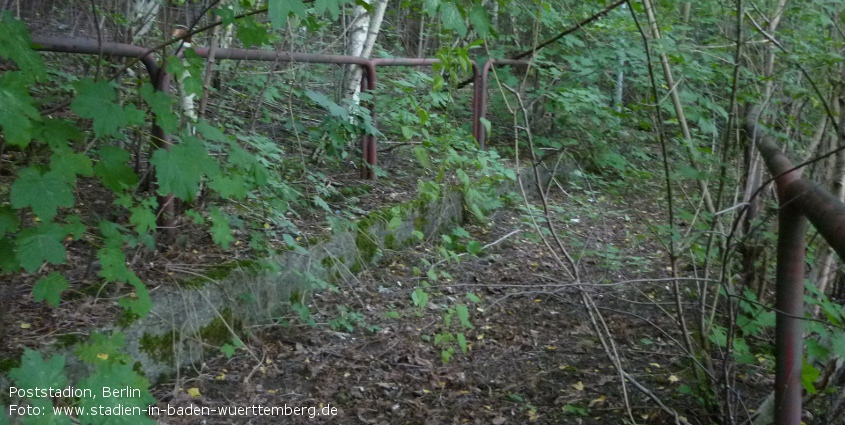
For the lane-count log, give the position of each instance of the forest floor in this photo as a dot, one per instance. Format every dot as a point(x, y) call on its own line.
point(533, 357)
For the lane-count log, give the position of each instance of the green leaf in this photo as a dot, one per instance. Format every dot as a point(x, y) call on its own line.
point(141, 304)
point(40, 243)
point(422, 156)
point(809, 374)
point(395, 223)
point(462, 342)
point(113, 375)
point(291, 242)
point(452, 19)
point(252, 33)
point(431, 7)
point(36, 372)
point(221, 233)
point(334, 109)
point(96, 100)
point(474, 248)
point(180, 170)
point(50, 288)
point(9, 221)
point(56, 133)
point(113, 264)
point(331, 6)
point(213, 133)
point(420, 298)
point(446, 355)
point(18, 113)
point(463, 315)
point(112, 168)
point(44, 193)
point(74, 226)
point(101, 348)
point(480, 20)
point(143, 218)
point(473, 298)
point(16, 46)
point(280, 9)
point(45, 405)
point(230, 186)
point(392, 314)
point(837, 344)
point(228, 350)
point(159, 103)
point(69, 165)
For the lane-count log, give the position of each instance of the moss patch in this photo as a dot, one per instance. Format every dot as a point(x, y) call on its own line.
point(217, 333)
point(159, 347)
point(219, 273)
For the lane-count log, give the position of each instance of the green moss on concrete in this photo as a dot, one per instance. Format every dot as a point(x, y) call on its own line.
point(220, 272)
point(217, 332)
point(68, 340)
point(390, 241)
point(420, 222)
point(159, 347)
point(126, 318)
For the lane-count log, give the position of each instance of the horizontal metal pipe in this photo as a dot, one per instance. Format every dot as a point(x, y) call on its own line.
point(93, 47)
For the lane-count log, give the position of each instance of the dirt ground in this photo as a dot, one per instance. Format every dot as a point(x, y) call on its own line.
point(533, 352)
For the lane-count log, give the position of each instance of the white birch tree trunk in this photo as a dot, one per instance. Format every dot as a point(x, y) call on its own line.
point(142, 14)
point(363, 32)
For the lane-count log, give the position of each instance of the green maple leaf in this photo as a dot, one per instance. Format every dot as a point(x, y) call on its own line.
point(36, 372)
point(221, 233)
point(141, 304)
point(143, 218)
point(180, 170)
point(231, 186)
point(431, 7)
point(45, 405)
point(159, 103)
point(332, 6)
point(40, 243)
point(16, 46)
point(452, 19)
point(50, 288)
point(113, 170)
point(97, 101)
point(280, 9)
point(74, 227)
point(480, 20)
point(18, 113)
point(43, 192)
point(69, 165)
point(9, 221)
point(113, 263)
point(115, 375)
point(92, 351)
point(8, 262)
point(56, 133)
point(252, 33)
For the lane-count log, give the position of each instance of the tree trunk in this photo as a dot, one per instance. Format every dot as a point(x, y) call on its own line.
point(362, 37)
point(142, 14)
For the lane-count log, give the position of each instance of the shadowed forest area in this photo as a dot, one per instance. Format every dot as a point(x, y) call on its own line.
point(275, 211)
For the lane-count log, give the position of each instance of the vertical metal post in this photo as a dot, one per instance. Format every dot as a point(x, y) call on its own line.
point(368, 141)
point(476, 113)
point(792, 229)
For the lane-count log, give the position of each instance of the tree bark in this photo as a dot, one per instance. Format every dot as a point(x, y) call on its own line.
point(362, 37)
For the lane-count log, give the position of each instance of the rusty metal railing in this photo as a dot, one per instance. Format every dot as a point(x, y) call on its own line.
point(799, 200)
point(369, 147)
